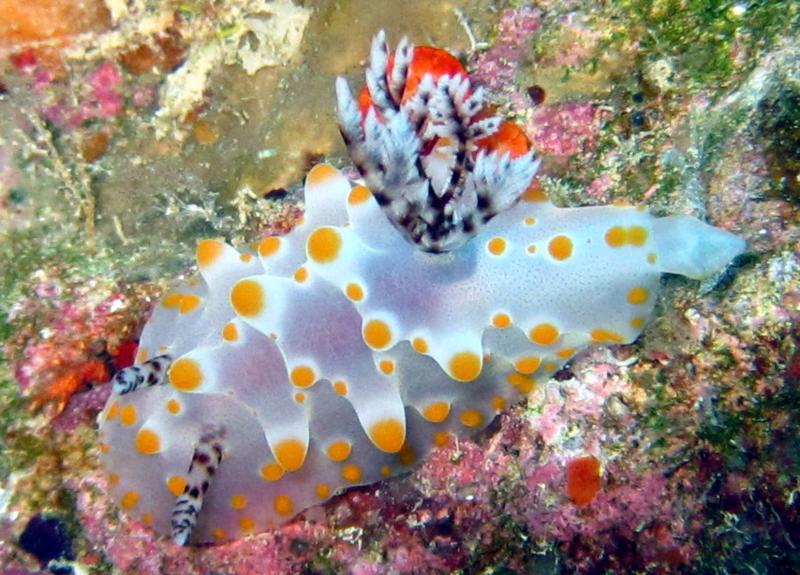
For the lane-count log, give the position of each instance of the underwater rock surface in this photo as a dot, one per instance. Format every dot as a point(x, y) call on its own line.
point(692, 424)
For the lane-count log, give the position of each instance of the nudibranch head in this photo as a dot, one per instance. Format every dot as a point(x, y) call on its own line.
point(437, 162)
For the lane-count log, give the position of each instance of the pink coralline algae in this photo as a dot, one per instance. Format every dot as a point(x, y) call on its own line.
point(564, 129)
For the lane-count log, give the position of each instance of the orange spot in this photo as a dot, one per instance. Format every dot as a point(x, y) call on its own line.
point(441, 438)
point(527, 365)
point(534, 193)
point(388, 434)
point(339, 450)
point(189, 303)
point(340, 387)
point(230, 332)
point(501, 320)
point(171, 300)
point(147, 518)
point(652, 258)
point(129, 500)
point(290, 453)
point(406, 456)
point(637, 323)
point(113, 478)
point(496, 246)
point(354, 291)
point(104, 448)
point(322, 490)
point(174, 406)
point(269, 246)
point(499, 403)
point(147, 442)
point(351, 473)
point(465, 366)
point(208, 251)
point(560, 248)
point(323, 245)
point(544, 334)
point(616, 237)
point(185, 374)
point(637, 235)
point(320, 174)
point(238, 501)
point(127, 415)
point(300, 397)
point(301, 275)
point(531, 249)
point(638, 295)
point(471, 418)
point(420, 345)
point(386, 471)
point(606, 336)
point(247, 524)
point(358, 195)
point(248, 298)
point(113, 411)
point(218, 533)
point(176, 484)
point(272, 472)
point(245, 257)
point(436, 412)
point(550, 366)
point(386, 366)
point(583, 479)
point(523, 384)
point(377, 334)
point(566, 353)
point(303, 376)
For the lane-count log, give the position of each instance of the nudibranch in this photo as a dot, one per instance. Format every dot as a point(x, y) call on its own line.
point(398, 313)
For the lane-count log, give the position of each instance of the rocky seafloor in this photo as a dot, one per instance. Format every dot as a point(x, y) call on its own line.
point(128, 130)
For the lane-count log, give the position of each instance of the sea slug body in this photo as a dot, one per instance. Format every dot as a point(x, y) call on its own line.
point(395, 315)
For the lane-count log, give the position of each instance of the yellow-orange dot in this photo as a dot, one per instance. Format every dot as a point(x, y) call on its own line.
point(524, 384)
point(147, 442)
point(127, 415)
point(340, 387)
point(303, 376)
point(142, 355)
point(565, 353)
point(248, 298)
point(534, 193)
point(301, 275)
point(245, 257)
point(247, 523)
point(171, 300)
point(323, 245)
point(606, 336)
point(238, 501)
point(441, 438)
point(300, 397)
point(499, 403)
point(218, 533)
point(358, 195)
point(291, 453)
point(496, 246)
point(320, 174)
point(185, 374)
point(351, 473)
point(436, 412)
point(230, 332)
point(530, 220)
point(354, 291)
point(129, 500)
point(544, 334)
point(531, 249)
point(174, 406)
point(269, 246)
point(471, 418)
point(386, 366)
point(272, 472)
point(147, 518)
point(113, 411)
point(420, 345)
point(388, 434)
point(208, 251)
point(189, 303)
point(638, 295)
point(637, 235)
point(377, 334)
point(176, 484)
point(528, 364)
point(637, 323)
point(501, 320)
point(339, 450)
point(652, 258)
point(560, 248)
point(406, 456)
point(465, 366)
point(550, 366)
point(386, 471)
point(104, 448)
point(113, 478)
point(322, 490)
point(616, 237)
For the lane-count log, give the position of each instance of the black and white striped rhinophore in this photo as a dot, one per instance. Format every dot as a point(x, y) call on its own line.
point(420, 156)
point(150, 373)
